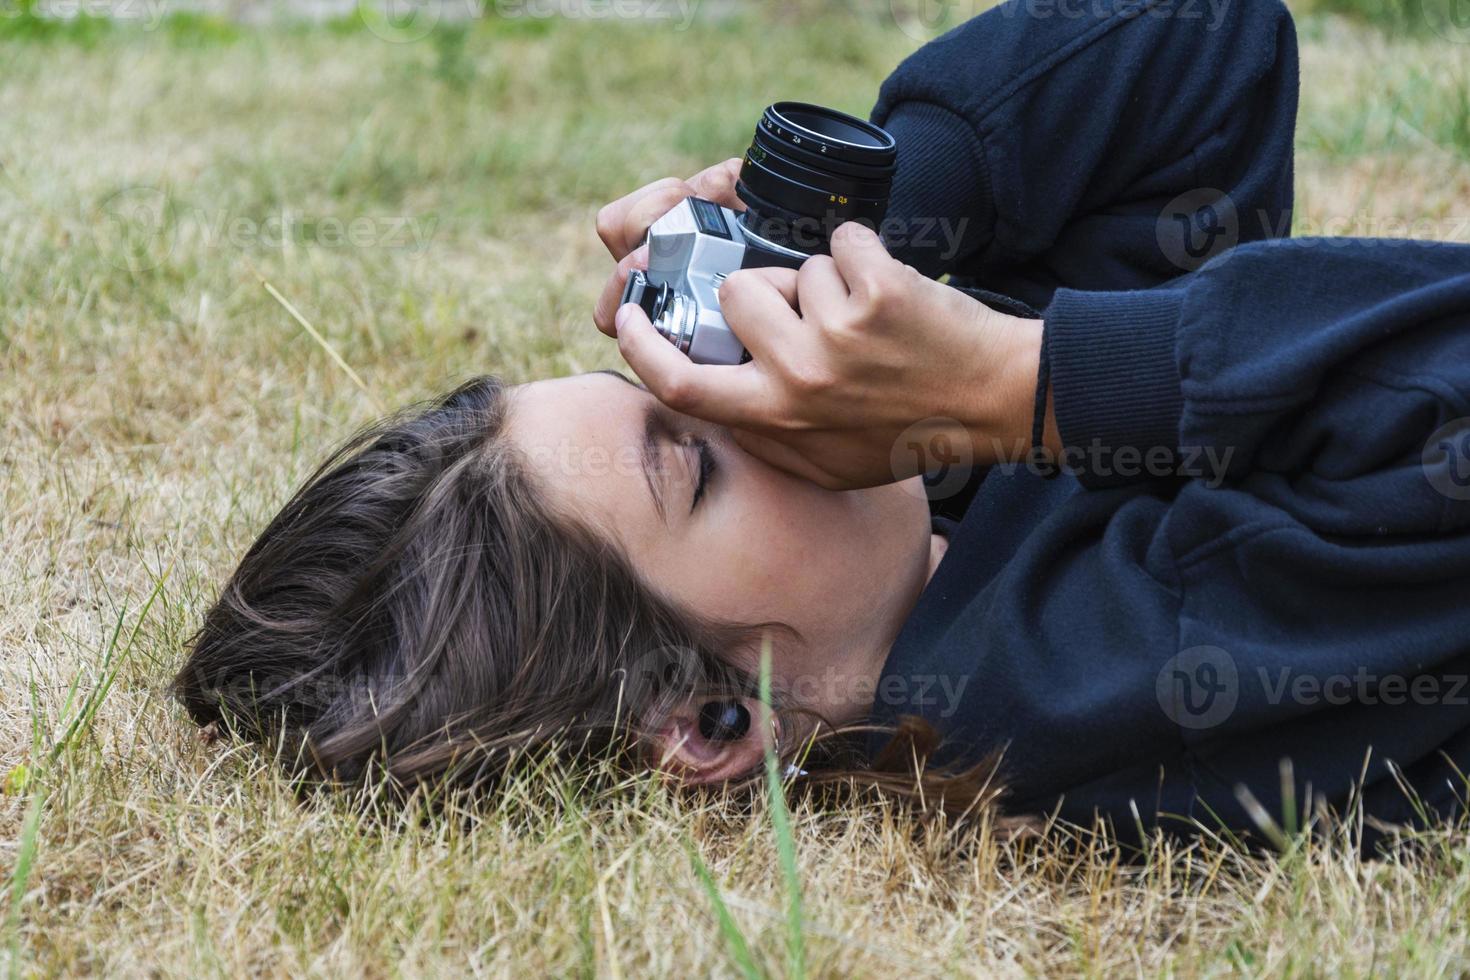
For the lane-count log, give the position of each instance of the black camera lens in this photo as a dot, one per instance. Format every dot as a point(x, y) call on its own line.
point(808, 170)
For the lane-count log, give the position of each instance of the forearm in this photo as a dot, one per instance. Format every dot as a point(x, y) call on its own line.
point(999, 414)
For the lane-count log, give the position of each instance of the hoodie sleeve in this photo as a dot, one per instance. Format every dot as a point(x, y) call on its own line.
point(1316, 370)
point(1093, 145)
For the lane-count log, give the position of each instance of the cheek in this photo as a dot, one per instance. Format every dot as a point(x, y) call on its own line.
point(779, 548)
point(792, 515)
point(785, 543)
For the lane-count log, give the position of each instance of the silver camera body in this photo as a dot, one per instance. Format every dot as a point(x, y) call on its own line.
point(691, 250)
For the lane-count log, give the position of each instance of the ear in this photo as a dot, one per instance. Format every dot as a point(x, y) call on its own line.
point(685, 751)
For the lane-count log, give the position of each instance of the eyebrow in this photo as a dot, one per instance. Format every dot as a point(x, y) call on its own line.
point(653, 427)
point(614, 373)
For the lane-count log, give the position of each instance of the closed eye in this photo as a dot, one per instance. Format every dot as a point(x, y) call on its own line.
point(707, 468)
point(660, 426)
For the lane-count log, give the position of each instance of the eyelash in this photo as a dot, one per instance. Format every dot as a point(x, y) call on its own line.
point(661, 420)
point(707, 468)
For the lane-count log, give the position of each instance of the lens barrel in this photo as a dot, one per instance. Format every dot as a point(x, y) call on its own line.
point(808, 170)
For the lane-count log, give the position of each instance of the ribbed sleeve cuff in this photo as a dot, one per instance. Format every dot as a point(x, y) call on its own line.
point(1115, 383)
point(940, 209)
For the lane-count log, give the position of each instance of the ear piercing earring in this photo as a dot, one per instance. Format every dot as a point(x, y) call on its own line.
point(724, 721)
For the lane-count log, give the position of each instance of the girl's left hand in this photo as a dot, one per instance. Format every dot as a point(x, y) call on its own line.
point(864, 372)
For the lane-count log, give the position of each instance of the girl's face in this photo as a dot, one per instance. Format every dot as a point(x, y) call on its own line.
point(723, 534)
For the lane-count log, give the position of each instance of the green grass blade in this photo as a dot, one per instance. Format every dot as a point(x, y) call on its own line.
point(25, 860)
point(729, 928)
point(111, 664)
point(785, 843)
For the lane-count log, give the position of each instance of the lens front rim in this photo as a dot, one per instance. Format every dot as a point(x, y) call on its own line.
point(777, 123)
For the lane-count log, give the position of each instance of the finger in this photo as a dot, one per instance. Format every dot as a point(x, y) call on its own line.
point(717, 183)
point(783, 280)
point(785, 457)
point(860, 257)
point(649, 208)
point(623, 224)
point(759, 305)
point(820, 287)
point(612, 291)
point(719, 393)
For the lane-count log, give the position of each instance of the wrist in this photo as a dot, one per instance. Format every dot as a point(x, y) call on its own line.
point(1000, 391)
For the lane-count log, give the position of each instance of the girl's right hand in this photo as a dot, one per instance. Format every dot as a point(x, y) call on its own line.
point(623, 224)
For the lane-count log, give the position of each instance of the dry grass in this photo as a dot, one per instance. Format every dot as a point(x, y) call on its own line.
point(156, 405)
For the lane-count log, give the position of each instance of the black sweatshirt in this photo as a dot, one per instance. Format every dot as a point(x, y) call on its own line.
point(1260, 548)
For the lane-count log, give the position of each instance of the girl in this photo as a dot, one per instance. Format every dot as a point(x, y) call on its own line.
point(1205, 514)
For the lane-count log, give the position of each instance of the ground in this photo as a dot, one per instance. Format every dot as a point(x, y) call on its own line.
point(425, 205)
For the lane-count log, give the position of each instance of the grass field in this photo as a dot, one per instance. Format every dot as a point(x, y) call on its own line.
point(427, 207)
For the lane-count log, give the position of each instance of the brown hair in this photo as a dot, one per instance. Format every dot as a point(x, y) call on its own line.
point(417, 611)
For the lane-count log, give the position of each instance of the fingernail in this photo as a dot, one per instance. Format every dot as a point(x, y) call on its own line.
point(624, 311)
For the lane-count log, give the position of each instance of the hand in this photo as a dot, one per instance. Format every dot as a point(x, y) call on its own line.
point(623, 224)
point(864, 372)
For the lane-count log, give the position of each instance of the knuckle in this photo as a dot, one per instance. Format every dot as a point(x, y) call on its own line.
point(846, 323)
point(903, 279)
point(791, 422)
point(881, 298)
point(731, 176)
point(816, 267)
point(880, 285)
point(606, 223)
point(876, 303)
point(810, 379)
point(678, 392)
point(649, 210)
point(674, 191)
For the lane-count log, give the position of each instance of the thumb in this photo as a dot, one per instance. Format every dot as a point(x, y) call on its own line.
point(860, 256)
